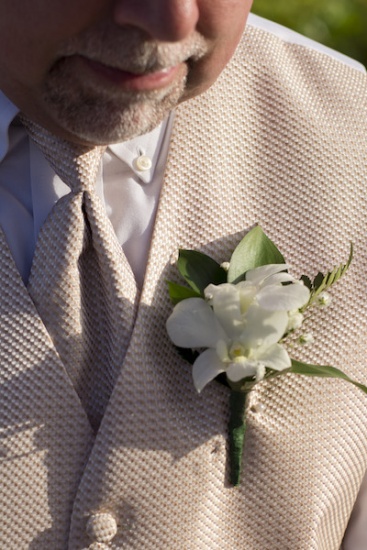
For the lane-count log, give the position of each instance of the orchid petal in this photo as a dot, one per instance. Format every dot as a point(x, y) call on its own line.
point(206, 367)
point(244, 369)
point(258, 274)
point(274, 357)
point(192, 324)
point(278, 278)
point(225, 300)
point(263, 327)
point(283, 298)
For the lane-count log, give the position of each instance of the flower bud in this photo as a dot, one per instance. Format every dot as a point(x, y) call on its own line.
point(295, 320)
point(225, 266)
point(324, 299)
point(306, 339)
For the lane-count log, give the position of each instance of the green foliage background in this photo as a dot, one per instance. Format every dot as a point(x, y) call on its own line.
point(340, 24)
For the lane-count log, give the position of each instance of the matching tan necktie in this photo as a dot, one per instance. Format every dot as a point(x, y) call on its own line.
point(80, 280)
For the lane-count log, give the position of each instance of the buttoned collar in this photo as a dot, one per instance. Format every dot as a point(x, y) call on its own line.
point(141, 154)
point(145, 148)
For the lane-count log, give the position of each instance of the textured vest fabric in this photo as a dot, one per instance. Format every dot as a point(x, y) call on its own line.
point(279, 140)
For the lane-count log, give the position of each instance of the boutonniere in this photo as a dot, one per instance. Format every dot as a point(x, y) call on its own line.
point(237, 318)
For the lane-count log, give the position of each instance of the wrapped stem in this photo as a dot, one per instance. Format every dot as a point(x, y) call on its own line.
point(237, 430)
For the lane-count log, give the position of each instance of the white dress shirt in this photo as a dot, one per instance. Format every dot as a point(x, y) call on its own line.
point(29, 188)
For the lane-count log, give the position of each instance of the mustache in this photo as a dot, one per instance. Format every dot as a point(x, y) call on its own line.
point(131, 50)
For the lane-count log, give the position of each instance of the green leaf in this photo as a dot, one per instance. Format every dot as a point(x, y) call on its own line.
point(199, 270)
point(318, 280)
point(323, 371)
point(255, 250)
point(177, 293)
point(322, 282)
point(307, 281)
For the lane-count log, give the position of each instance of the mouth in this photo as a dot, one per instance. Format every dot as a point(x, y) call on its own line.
point(130, 81)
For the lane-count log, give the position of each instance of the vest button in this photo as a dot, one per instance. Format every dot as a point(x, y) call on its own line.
point(101, 527)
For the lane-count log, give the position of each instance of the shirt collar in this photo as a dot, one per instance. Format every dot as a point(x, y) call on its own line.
point(8, 112)
point(148, 145)
point(129, 151)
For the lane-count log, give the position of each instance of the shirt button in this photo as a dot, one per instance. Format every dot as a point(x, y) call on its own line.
point(143, 163)
point(101, 527)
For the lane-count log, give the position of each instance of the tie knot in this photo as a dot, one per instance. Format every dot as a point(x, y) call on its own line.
point(76, 165)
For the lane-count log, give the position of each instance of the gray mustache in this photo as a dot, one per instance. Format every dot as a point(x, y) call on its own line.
point(129, 50)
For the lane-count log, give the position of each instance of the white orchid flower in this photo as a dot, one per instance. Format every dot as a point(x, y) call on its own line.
point(239, 325)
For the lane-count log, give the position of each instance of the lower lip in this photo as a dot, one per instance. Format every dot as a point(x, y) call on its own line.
point(131, 81)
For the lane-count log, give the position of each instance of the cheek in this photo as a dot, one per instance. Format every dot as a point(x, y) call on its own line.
point(31, 32)
point(223, 18)
point(222, 23)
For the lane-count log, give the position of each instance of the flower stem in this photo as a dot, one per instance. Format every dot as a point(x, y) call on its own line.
point(237, 430)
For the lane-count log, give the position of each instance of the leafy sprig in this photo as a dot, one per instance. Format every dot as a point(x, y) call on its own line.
point(322, 283)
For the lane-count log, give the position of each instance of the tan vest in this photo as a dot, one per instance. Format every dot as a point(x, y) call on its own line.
point(279, 140)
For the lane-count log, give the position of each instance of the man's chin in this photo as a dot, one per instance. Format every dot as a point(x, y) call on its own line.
point(102, 125)
point(99, 116)
point(106, 135)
